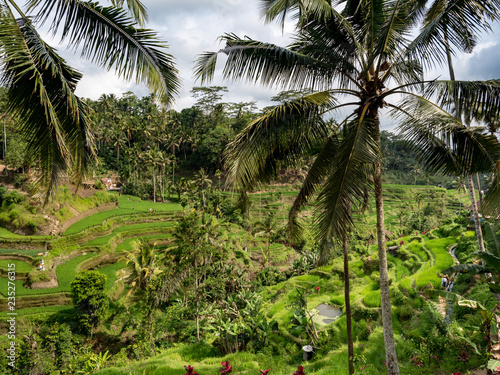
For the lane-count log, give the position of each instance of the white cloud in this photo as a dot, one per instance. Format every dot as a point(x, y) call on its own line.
point(191, 27)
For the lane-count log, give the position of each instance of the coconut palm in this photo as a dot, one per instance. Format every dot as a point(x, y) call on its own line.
point(459, 21)
point(143, 262)
point(42, 85)
point(266, 228)
point(360, 55)
point(154, 158)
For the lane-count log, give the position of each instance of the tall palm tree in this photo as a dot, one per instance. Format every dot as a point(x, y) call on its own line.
point(42, 86)
point(460, 21)
point(354, 55)
point(154, 158)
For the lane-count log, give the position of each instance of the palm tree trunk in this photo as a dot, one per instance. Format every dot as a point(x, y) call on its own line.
point(460, 200)
point(268, 251)
point(4, 141)
point(350, 346)
point(173, 172)
point(475, 215)
point(154, 184)
point(390, 347)
point(197, 309)
point(470, 182)
point(479, 189)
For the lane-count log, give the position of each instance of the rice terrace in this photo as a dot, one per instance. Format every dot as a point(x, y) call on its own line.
point(339, 215)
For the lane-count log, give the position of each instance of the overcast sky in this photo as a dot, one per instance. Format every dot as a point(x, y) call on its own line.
point(191, 27)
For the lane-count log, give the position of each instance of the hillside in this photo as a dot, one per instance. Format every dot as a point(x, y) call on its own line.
point(98, 241)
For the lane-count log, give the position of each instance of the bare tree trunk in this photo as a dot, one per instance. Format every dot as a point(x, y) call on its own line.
point(350, 346)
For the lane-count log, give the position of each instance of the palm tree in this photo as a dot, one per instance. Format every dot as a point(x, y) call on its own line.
point(459, 21)
point(460, 187)
point(355, 54)
point(41, 85)
point(202, 182)
point(143, 263)
point(154, 158)
point(417, 171)
point(266, 228)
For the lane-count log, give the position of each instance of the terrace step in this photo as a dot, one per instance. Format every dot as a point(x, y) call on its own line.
point(38, 301)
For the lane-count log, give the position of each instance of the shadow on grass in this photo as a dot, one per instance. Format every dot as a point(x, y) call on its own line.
point(198, 352)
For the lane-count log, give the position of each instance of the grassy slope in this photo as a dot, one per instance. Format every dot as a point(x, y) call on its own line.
point(364, 290)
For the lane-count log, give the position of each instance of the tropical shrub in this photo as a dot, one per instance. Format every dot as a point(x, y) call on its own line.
point(89, 298)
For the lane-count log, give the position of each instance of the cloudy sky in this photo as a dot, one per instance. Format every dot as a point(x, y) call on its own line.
point(191, 27)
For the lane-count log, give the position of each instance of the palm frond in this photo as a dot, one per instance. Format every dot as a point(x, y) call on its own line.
point(456, 23)
point(346, 185)
point(318, 172)
point(391, 36)
point(335, 44)
point(455, 298)
point(492, 240)
point(139, 11)
point(108, 37)
point(406, 71)
point(492, 261)
point(283, 133)
point(476, 99)
point(41, 87)
point(491, 202)
point(443, 143)
point(136, 8)
point(268, 64)
point(472, 268)
point(279, 10)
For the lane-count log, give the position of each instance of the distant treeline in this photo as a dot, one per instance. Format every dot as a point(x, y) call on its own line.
point(141, 142)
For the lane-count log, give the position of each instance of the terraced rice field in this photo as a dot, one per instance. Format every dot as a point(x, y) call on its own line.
point(111, 232)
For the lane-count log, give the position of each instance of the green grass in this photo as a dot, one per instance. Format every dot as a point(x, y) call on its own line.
point(372, 299)
point(206, 360)
point(41, 310)
point(19, 265)
point(128, 201)
point(125, 204)
point(65, 274)
point(96, 219)
point(127, 244)
point(443, 260)
point(5, 233)
point(30, 253)
point(110, 272)
point(151, 227)
point(416, 249)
